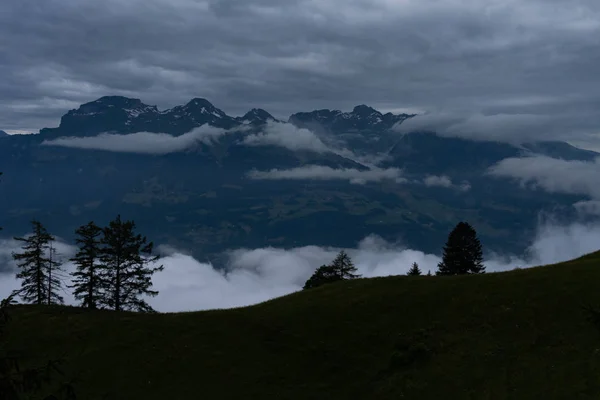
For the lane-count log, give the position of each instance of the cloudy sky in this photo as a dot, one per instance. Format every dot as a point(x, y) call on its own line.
point(528, 64)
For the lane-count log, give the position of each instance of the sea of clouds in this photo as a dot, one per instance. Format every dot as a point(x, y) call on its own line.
point(255, 275)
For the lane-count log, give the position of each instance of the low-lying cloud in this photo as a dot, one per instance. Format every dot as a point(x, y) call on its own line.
point(288, 136)
point(434, 180)
point(506, 127)
point(319, 172)
point(256, 275)
point(445, 182)
point(142, 142)
point(588, 207)
point(552, 174)
point(273, 134)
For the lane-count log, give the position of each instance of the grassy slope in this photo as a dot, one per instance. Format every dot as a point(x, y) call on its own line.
point(514, 335)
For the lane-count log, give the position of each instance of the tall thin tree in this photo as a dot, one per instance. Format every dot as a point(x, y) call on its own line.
point(54, 284)
point(463, 252)
point(127, 273)
point(87, 282)
point(34, 264)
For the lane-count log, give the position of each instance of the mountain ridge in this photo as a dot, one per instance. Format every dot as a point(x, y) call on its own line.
point(205, 196)
point(121, 114)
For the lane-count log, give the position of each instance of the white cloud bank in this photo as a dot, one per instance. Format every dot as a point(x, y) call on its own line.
point(445, 182)
point(274, 134)
point(503, 127)
point(553, 175)
point(319, 172)
point(142, 142)
point(256, 275)
point(288, 136)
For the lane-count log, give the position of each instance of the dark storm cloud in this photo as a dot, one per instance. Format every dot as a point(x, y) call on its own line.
point(532, 57)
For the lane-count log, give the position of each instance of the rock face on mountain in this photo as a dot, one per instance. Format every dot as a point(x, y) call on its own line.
point(2, 134)
point(123, 115)
point(361, 118)
point(204, 196)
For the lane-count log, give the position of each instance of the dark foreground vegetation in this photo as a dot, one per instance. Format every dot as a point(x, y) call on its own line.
point(523, 334)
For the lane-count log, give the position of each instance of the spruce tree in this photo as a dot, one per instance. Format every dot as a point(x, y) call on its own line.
point(55, 272)
point(87, 283)
point(324, 274)
point(462, 253)
point(414, 270)
point(38, 284)
point(343, 267)
point(126, 272)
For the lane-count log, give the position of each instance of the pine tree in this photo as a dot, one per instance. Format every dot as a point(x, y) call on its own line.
point(54, 283)
point(126, 273)
point(324, 274)
point(343, 267)
point(16, 382)
point(87, 283)
point(462, 253)
point(36, 268)
point(429, 273)
point(414, 270)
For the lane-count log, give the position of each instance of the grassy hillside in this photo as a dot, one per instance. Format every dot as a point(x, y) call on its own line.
point(514, 335)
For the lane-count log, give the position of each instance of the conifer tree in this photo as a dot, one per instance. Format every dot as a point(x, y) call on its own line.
point(38, 284)
point(87, 283)
point(343, 266)
point(126, 272)
point(414, 270)
point(429, 273)
point(324, 274)
point(16, 382)
point(54, 283)
point(462, 253)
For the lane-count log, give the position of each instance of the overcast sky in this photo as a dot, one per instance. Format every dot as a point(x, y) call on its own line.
point(537, 58)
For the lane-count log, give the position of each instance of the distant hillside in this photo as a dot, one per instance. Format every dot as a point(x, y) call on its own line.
point(513, 335)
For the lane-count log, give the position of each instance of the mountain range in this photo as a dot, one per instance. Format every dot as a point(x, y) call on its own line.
point(202, 181)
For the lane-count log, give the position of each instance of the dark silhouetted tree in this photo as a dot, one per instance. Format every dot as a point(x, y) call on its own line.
point(87, 282)
point(343, 267)
point(127, 274)
point(55, 275)
point(414, 270)
point(17, 382)
point(462, 253)
point(324, 274)
point(429, 273)
point(38, 271)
